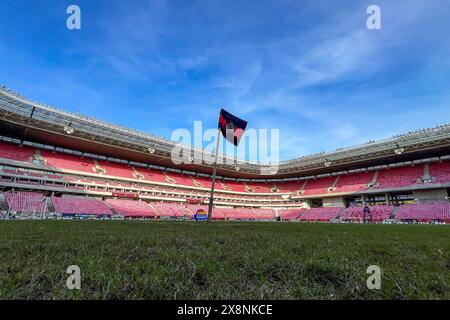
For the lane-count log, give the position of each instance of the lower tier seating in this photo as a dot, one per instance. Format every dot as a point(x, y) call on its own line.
point(320, 214)
point(131, 208)
point(352, 182)
point(171, 209)
point(28, 202)
point(33, 202)
point(80, 205)
point(379, 213)
point(424, 212)
point(291, 214)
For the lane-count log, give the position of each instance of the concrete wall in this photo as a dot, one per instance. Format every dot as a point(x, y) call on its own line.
point(430, 195)
point(333, 202)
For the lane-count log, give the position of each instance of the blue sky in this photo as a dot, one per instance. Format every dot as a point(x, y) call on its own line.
point(309, 68)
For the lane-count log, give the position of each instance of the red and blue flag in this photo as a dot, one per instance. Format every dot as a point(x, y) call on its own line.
point(232, 127)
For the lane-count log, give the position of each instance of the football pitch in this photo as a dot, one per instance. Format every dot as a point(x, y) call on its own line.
point(222, 260)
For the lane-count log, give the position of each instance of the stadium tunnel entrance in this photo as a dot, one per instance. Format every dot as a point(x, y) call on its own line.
point(394, 199)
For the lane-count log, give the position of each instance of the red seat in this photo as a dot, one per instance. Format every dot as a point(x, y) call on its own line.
point(291, 214)
point(15, 152)
point(354, 182)
point(399, 177)
point(318, 186)
point(424, 212)
point(68, 162)
point(116, 169)
point(320, 214)
point(80, 205)
point(131, 208)
point(29, 202)
point(171, 209)
point(379, 213)
point(440, 172)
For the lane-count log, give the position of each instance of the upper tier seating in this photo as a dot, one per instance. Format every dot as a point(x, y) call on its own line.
point(153, 175)
point(260, 187)
point(424, 212)
point(440, 172)
point(204, 181)
point(15, 152)
point(132, 208)
point(80, 205)
point(318, 186)
point(68, 162)
point(399, 177)
point(29, 202)
point(290, 186)
point(183, 179)
point(116, 169)
point(379, 213)
point(233, 186)
point(321, 214)
point(354, 182)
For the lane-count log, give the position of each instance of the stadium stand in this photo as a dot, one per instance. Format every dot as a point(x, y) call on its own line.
point(29, 172)
point(424, 212)
point(131, 208)
point(354, 182)
point(116, 169)
point(68, 162)
point(15, 152)
point(28, 202)
point(171, 209)
point(259, 187)
point(287, 215)
point(399, 177)
point(217, 214)
point(202, 182)
point(80, 205)
point(183, 179)
point(153, 175)
point(319, 186)
point(235, 213)
point(264, 214)
point(379, 213)
point(289, 186)
point(440, 172)
point(321, 214)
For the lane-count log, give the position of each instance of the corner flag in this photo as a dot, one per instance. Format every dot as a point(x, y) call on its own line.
point(232, 129)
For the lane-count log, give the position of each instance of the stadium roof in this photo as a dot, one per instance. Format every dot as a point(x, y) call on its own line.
point(25, 119)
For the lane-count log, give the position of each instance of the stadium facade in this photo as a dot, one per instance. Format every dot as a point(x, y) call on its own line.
point(57, 163)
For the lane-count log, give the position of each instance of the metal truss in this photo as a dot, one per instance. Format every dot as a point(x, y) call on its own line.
point(17, 109)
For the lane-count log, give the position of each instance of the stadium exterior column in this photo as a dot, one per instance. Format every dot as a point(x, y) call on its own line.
point(387, 199)
point(211, 197)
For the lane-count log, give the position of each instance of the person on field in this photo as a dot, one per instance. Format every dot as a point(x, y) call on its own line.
point(366, 213)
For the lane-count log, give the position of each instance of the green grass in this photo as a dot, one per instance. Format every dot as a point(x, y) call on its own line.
point(222, 260)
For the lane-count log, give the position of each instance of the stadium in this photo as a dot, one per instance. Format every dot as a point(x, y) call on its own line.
point(56, 165)
point(354, 206)
point(59, 164)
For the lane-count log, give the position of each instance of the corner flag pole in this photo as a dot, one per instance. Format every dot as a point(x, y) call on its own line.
point(211, 197)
